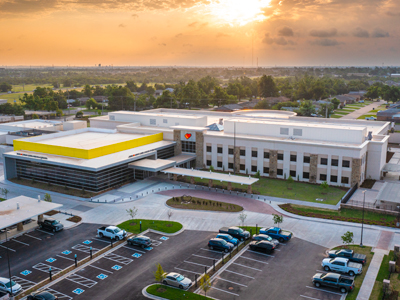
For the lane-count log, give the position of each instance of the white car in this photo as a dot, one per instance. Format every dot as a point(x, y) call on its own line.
point(5, 286)
point(370, 118)
point(341, 265)
point(177, 280)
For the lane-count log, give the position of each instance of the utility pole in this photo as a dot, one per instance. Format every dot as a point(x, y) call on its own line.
point(9, 267)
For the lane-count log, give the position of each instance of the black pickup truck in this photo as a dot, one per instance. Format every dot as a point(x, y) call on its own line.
point(344, 284)
point(50, 224)
point(236, 232)
point(349, 254)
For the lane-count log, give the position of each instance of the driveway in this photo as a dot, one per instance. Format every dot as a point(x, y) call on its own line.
point(362, 111)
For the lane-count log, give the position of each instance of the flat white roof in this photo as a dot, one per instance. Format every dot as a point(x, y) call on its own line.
point(155, 165)
point(28, 208)
point(34, 124)
point(211, 175)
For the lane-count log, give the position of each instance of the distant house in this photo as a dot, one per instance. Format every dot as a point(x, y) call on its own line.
point(98, 99)
point(392, 114)
point(344, 99)
point(171, 90)
point(158, 93)
point(249, 104)
point(3, 101)
point(229, 108)
point(276, 100)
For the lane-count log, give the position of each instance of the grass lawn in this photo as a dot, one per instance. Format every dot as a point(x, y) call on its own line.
point(336, 116)
point(279, 188)
point(359, 278)
point(365, 116)
point(341, 113)
point(163, 226)
point(171, 293)
point(2, 199)
point(383, 273)
point(11, 97)
point(29, 87)
point(202, 204)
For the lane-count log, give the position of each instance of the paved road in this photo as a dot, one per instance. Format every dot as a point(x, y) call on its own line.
point(362, 111)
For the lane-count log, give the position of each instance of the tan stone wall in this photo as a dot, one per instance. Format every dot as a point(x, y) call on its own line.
point(236, 159)
point(177, 139)
point(273, 163)
point(313, 168)
point(200, 150)
point(355, 171)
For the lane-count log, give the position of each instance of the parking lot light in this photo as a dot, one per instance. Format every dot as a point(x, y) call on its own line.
point(205, 270)
point(76, 261)
point(50, 274)
point(214, 264)
point(91, 256)
point(222, 260)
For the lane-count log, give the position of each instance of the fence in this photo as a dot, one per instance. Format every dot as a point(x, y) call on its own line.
point(349, 193)
point(383, 208)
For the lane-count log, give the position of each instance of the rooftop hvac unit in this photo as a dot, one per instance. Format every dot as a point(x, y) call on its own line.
point(370, 135)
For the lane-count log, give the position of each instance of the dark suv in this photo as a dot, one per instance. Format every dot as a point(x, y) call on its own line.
point(140, 240)
point(262, 246)
point(42, 296)
point(220, 244)
point(51, 224)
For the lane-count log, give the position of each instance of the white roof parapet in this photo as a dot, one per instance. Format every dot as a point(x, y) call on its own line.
point(212, 175)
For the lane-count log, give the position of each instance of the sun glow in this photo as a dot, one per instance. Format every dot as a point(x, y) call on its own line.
point(238, 12)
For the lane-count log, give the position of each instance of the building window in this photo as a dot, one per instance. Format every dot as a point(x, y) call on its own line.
point(254, 154)
point(297, 132)
point(208, 163)
point(293, 174)
point(345, 180)
point(242, 152)
point(219, 164)
point(165, 121)
point(219, 150)
point(284, 131)
point(280, 156)
point(346, 164)
point(279, 172)
point(266, 170)
point(306, 175)
point(335, 163)
point(230, 166)
point(322, 177)
point(333, 178)
point(306, 159)
point(293, 157)
point(153, 122)
point(230, 151)
point(254, 169)
point(209, 149)
point(324, 161)
point(242, 167)
point(188, 146)
point(266, 155)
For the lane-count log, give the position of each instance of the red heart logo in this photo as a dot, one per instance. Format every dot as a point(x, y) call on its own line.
point(188, 136)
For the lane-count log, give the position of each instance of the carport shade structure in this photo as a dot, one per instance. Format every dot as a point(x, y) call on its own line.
point(16, 210)
point(211, 176)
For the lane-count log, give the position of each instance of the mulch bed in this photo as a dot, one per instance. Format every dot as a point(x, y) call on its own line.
point(51, 213)
point(75, 219)
point(368, 183)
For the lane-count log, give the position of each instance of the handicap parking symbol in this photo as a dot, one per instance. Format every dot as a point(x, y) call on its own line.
point(101, 276)
point(116, 267)
point(164, 238)
point(26, 272)
point(148, 248)
point(50, 260)
point(78, 291)
point(87, 242)
point(136, 255)
point(66, 252)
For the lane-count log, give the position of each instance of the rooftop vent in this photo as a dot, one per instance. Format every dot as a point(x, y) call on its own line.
point(370, 135)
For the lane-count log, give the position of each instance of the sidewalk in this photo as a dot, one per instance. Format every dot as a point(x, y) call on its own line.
point(362, 111)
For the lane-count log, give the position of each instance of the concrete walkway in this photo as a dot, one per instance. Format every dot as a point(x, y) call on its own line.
point(362, 111)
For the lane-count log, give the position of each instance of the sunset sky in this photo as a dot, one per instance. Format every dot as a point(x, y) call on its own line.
point(200, 32)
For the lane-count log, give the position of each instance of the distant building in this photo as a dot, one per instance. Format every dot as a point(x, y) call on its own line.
point(395, 75)
point(229, 108)
point(3, 101)
point(392, 114)
point(359, 74)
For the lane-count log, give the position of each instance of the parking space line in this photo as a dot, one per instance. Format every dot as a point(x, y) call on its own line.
point(20, 242)
point(246, 266)
point(309, 297)
point(238, 274)
point(224, 291)
point(8, 248)
point(203, 256)
point(310, 287)
point(84, 248)
point(45, 268)
point(260, 253)
point(134, 249)
point(100, 269)
point(24, 283)
point(58, 294)
point(230, 281)
point(254, 259)
point(211, 250)
point(86, 282)
point(45, 232)
point(187, 271)
point(189, 262)
point(107, 242)
point(34, 237)
point(118, 258)
point(65, 257)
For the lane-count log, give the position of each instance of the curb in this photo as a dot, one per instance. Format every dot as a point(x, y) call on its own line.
point(163, 233)
point(208, 211)
point(150, 296)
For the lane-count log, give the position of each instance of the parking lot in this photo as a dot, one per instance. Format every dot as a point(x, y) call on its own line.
point(284, 274)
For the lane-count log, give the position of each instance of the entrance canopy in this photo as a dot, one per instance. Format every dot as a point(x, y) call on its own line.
point(213, 176)
point(11, 215)
point(155, 165)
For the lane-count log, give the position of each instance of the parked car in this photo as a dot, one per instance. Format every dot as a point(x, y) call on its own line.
point(177, 280)
point(140, 240)
point(220, 244)
point(42, 296)
point(50, 224)
point(370, 118)
point(5, 286)
point(264, 237)
point(111, 232)
point(228, 238)
point(349, 254)
point(277, 233)
point(341, 265)
point(236, 232)
point(262, 246)
point(333, 280)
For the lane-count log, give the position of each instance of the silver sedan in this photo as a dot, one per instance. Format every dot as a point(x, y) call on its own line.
point(177, 280)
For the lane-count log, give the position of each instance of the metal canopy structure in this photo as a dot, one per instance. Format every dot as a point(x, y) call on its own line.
point(212, 175)
point(156, 165)
point(19, 209)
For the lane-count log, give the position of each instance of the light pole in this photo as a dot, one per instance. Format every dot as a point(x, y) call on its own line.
point(398, 217)
point(9, 267)
point(362, 224)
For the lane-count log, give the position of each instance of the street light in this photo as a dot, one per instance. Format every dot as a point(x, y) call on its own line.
point(362, 224)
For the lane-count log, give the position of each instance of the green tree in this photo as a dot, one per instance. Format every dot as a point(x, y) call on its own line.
point(205, 284)
point(87, 91)
point(47, 198)
point(324, 186)
point(267, 87)
point(347, 238)
point(5, 87)
point(326, 110)
point(132, 212)
point(67, 82)
point(159, 274)
point(290, 181)
point(307, 108)
point(166, 100)
point(4, 192)
point(79, 114)
point(91, 103)
point(373, 92)
point(35, 116)
point(335, 102)
point(278, 219)
point(132, 86)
